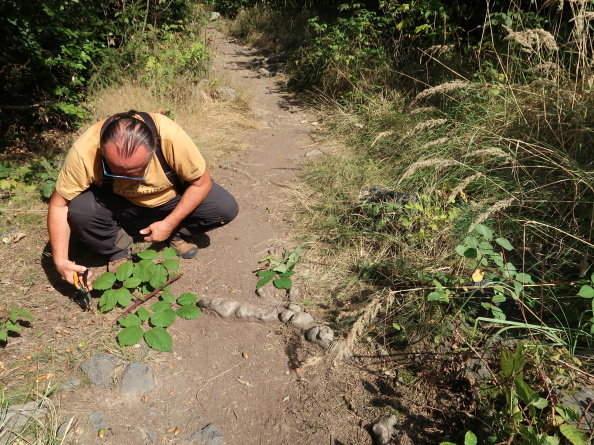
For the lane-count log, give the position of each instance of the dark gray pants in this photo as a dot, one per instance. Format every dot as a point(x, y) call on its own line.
point(96, 216)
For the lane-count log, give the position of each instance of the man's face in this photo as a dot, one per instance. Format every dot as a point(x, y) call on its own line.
point(135, 166)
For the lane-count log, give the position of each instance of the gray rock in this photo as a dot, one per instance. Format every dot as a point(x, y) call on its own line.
point(69, 384)
point(137, 378)
point(302, 321)
point(294, 307)
point(13, 419)
point(340, 352)
point(98, 420)
point(286, 315)
point(98, 369)
point(320, 335)
point(293, 293)
point(266, 291)
point(225, 93)
point(383, 430)
point(214, 16)
point(209, 435)
point(312, 153)
point(580, 400)
point(148, 435)
point(263, 72)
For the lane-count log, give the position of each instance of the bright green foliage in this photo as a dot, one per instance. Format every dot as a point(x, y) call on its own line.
point(10, 321)
point(144, 277)
point(279, 271)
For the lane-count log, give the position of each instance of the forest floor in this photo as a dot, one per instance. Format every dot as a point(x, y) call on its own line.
point(258, 383)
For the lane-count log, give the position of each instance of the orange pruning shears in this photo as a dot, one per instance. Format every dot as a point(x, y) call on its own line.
point(82, 286)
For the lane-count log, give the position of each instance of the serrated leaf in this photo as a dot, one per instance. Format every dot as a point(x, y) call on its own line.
point(125, 271)
point(159, 277)
point(586, 292)
point(159, 339)
point(266, 273)
point(143, 313)
point(105, 281)
point(144, 270)
point(132, 282)
point(484, 231)
point(149, 254)
point(187, 298)
point(164, 318)
point(568, 413)
point(263, 281)
point(504, 243)
point(130, 335)
point(168, 253)
point(189, 312)
point(160, 306)
point(168, 297)
point(469, 438)
point(108, 300)
point(575, 436)
point(283, 283)
point(539, 402)
point(130, 320)
point(171, 265)
point(124, 297)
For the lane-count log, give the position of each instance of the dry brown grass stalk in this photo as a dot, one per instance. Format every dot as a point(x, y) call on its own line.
point(424, 126)
point(435, 162)
point(381, 135)
point(491, 152)
point(460, 187)
point(533, 40)
point(440, 141)
point(444, 88)
point(423, 110)
point(497, 207)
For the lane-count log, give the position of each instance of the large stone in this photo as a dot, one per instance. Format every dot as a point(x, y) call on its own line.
point(13, 419)
point(137, 378)
point(580, 400)
point(225, 93)
point(98, 369)
point(383, 430)
point(209, 435)
point(98, 420)
point(302, 321)
point(320, 335)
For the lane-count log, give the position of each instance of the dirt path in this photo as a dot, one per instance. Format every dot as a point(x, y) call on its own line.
point(238, 375)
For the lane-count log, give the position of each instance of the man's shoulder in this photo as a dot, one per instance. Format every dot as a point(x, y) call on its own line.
point(89, 139)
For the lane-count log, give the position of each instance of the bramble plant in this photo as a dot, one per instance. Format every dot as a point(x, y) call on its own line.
point(10, 321)
point(141, 281)
point(281, 269)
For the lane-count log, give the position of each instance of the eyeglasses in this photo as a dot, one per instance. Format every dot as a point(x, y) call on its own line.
point(109, 175)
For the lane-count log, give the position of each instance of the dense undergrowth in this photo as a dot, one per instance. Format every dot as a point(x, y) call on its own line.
point(462, 207)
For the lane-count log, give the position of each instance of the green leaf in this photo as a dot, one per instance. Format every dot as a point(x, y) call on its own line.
point(125, 271)
point(523, 389)
point(143, 313)
point(469, 438)
point(568, 413)
point(288, 273)
point(266, 273)
point(187, 298)
point(105, 281)
point(283, 283)
point(168, 254)
point(436, 296)
point(484, 231)
point(471, 241)
point(509, 270)
point(168, 297)
point(160, 306)
point(164, 318)
point(124, 297)
point(539, 402)
point(130, 335)
point(130, 320)
point(3, 334)
point(159, 339)
point(524, 278)
point(171, 265)
point(144, 270)
point(518, 288)
point(108, 300)
point(281, 268)
point(148, 254)
point(498, 298)
point(132, 282)
point(188, 311)
point(263, 281)
point(497, 313)
point(504, 243)
point(159, 277)
point(13, 327)
point(22, 312)
point(586, 292)
point(575, 436)
point(47, 188)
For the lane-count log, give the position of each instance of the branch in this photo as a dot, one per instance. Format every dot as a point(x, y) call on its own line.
point(141, 300)
point(19, 107)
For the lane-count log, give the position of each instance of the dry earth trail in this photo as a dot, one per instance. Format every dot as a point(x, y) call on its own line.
point(242, 376)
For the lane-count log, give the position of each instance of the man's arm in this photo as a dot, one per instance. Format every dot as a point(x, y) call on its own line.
point(192, 198)
point(59, 235)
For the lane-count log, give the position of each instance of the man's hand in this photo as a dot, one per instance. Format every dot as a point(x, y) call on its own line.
point(68, 268)
point(158, 231)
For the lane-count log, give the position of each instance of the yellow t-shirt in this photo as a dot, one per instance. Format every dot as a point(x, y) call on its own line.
point(83, 166)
